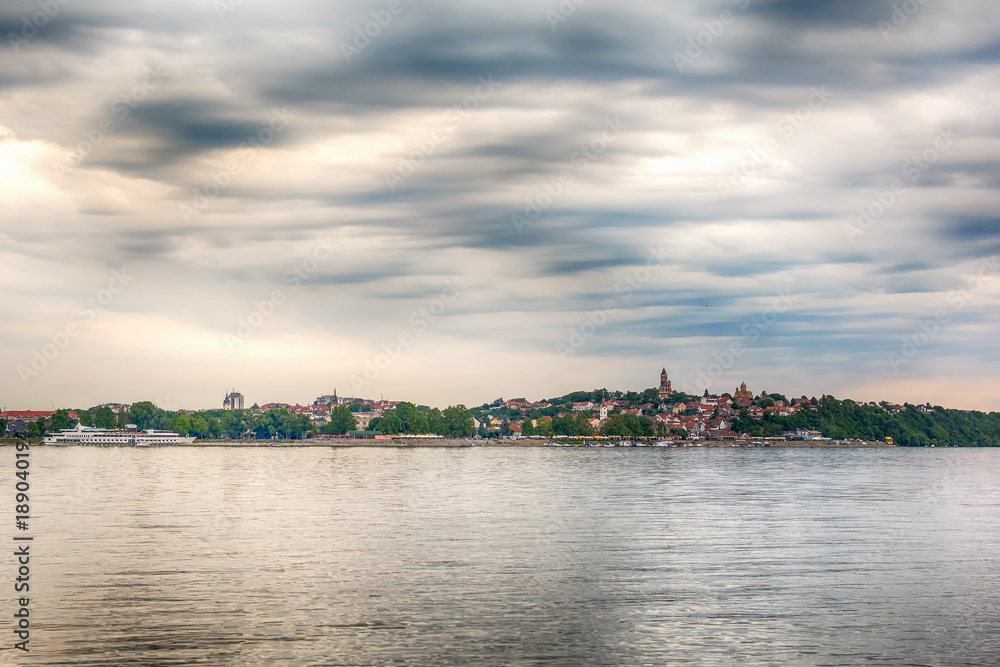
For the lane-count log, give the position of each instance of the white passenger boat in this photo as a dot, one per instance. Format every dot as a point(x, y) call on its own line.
point(129, 436)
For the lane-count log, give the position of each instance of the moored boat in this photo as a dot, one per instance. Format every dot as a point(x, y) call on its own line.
point(129, 436)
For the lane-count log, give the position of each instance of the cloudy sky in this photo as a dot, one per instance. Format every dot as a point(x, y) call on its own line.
point(454, 201)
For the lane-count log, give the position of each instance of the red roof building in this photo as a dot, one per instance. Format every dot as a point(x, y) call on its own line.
point(26, 415)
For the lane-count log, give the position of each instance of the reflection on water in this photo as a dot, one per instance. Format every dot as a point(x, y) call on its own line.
point(514, 556)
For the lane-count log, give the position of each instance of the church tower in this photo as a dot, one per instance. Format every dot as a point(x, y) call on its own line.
point(743, 396)
point(665, 389)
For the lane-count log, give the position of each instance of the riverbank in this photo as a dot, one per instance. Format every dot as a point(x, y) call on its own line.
point(447, 442)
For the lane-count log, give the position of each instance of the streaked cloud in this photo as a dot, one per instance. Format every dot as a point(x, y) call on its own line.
point(194, 135)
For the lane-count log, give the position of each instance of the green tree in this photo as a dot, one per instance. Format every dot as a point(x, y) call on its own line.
point(388, 422)
point(181, 424)
point(651, 395)
point(143, 414)
point(234, 423)
point(581, 425)
point(636, 426)
point(281, 423)
point(61, 420)
point(458, 422)
point(199, 426)
point(86, 419)
point(563, 425)
point(35, 429)
point(298, 426)
point(913, 426)
point(341, 421)
point(413, 420)
point(263, 424)
point(105, 418)
point(435, 422)
point(214, 427)
point(527, 428)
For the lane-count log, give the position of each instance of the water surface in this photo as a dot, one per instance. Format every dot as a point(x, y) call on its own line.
point(514, 556)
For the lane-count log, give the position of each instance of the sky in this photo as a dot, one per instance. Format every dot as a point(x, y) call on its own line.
point(451, 202)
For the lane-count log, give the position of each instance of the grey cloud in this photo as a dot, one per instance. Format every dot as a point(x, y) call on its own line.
point(655, 186)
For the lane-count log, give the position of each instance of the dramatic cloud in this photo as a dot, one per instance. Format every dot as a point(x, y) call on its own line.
point(534, 198)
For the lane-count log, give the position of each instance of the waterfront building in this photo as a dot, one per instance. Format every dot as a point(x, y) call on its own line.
point(29, 415)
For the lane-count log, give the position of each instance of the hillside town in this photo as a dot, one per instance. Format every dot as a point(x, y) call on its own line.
point(657, 412)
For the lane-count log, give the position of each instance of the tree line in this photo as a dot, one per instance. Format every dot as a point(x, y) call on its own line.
point(455, 421)
point(911, 427)
point(837, 419)
point(206, 424)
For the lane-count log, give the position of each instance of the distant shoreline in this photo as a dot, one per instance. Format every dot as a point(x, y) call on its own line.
point(453, 443)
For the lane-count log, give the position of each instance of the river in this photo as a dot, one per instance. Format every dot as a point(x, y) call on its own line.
point(511, 556)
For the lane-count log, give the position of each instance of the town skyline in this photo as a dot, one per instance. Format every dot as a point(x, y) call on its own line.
point(717, 388)
point(659, 411)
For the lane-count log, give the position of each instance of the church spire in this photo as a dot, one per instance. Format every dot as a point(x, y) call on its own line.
point(665, 389)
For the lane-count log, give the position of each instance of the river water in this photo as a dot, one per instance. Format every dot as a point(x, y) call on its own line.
point(511, 556)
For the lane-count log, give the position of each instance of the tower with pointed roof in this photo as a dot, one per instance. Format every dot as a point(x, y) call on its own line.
point(665, 389)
